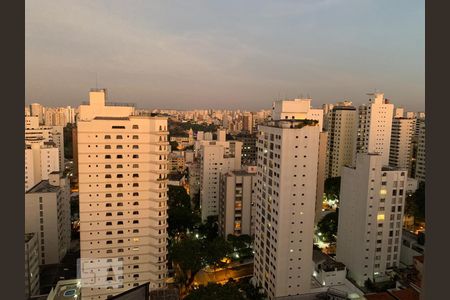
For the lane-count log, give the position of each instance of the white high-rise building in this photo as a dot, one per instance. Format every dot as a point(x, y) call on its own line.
point(401, 142)
point(297, 109)
point(41, 159)
point(420, 159)
point(342, 124)
point(375, 126)
point(216, 157)
point(48, 134)
point(370, 217)
point(122, 167)
point(235, 203)
point(285, 201)
point(47, 213)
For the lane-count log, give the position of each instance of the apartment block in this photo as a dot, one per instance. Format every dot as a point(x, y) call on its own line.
point(41, 159)
point(122, 167)
point(400, 153)
point(370, 217)
point(375, 126)
point(216, 157)
point(236, 202)
point(420, 159)
point(285, 201)
point(342, 122)
point(47, 214)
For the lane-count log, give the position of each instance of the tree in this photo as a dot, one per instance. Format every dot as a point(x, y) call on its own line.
point(332, 187)
point(210, 228)
point(215, 250)
point(328, 227)
point(186, 254)
point(415, 204)
point(180, 215)
point(215, 291)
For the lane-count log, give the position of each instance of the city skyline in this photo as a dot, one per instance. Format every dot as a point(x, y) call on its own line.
point(161, 55)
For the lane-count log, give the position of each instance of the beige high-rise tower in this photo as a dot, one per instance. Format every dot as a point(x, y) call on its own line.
point(122, 167)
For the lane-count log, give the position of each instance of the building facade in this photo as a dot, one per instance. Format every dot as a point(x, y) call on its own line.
point(370, 217)
point(216, 157)
point(285, 201)
point(420, 159)
point(47, 214)
point(375, 126)
point(342, 122)
point(31, 265)
point(400, 153)
point(236, 202)
point(122, 167)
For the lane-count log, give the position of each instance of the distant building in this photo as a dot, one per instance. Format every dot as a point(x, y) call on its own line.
point(375, 126)
point(370, 217)
point(247, 122)
point(37, 110)
point(235, 203)
point(31, 265)
point(47, 213)
point(176, 179)
point(401, 142)
point(342, 122)
point(420, 160)
point(411, 247)
point(216, 157)
point(41, 159)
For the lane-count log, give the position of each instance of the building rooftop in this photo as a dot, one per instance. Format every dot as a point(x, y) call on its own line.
point(43, 187)
point(66, 290)
point(291, 123)
point(112, 118)
point(325, 262)
point(175, 176)
point(242, 173)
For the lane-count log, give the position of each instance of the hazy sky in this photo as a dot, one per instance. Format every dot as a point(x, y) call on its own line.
point(225, 54)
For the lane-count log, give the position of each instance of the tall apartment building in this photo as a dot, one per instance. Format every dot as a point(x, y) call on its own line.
point(375, 126)
point(235, 202)
point(216, 157)
point(370, 217)
point(41, 159)
point(420, 159)
point(122, 167)
point(401, 142)
point(342, 122)
point(31, 265)
point(47, 213)
point(285, 201)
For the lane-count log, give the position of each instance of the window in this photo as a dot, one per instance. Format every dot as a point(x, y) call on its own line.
point(107, 146)
point(135, 146)
point(135, 156)
point(135, 137)
point(135, 127)
point(108, 156)
point(119, 137)
point(107, 137)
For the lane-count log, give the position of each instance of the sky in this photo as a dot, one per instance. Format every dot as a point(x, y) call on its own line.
point(225, 54)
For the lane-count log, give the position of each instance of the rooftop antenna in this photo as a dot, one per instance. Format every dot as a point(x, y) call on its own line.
point(307, 96)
